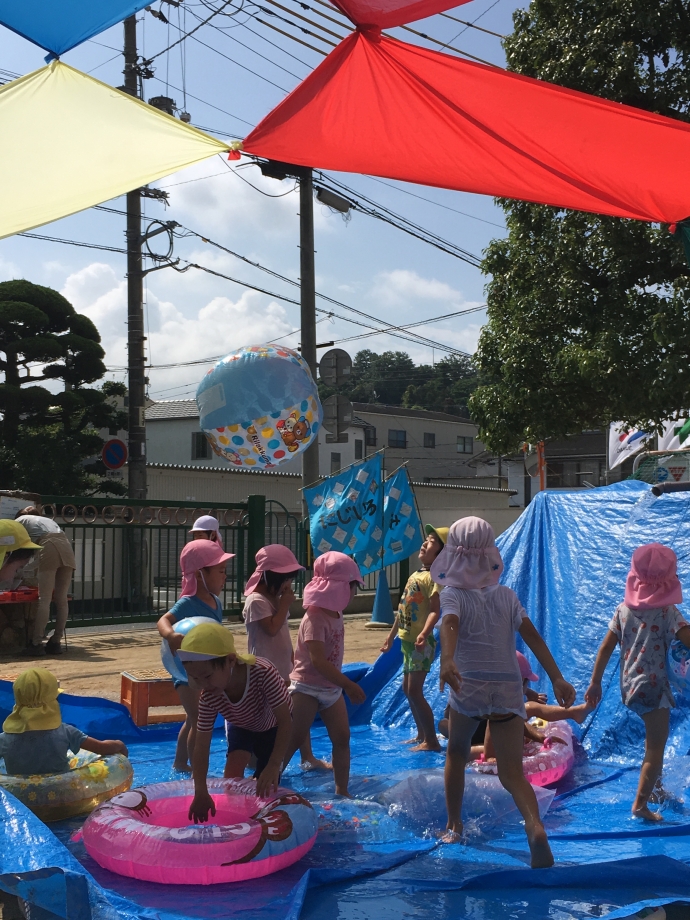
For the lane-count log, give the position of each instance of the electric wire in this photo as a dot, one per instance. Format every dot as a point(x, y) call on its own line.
point(254, 51)
point(436, 41)
point(305, 19)
point(185, 35)
point(438, 204)
point(471, 25)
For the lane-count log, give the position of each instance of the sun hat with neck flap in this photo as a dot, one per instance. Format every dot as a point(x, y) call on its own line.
point(330, 586)
point(36, 707)
point(470, 559)
point(272, 558)
point(199, 554)
point(652, 580)
point(13, 536)
point(210, 640)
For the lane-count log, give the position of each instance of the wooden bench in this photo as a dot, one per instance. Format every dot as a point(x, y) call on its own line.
point(144, 690)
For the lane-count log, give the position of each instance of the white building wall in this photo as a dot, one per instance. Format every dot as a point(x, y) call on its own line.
point(439, 505)
point(170, 441)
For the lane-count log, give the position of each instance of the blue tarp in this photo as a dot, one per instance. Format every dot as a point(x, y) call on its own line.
point(377, 856)
point(59, 26)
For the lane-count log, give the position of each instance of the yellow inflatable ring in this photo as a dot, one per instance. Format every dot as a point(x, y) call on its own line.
point(89, 781)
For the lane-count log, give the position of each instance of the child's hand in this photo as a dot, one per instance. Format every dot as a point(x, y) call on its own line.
point(593, 694)
point(202, 803)
point(120, 748)
point(420, 642)
point(564, 692)
point(268, 781)
point(175, 641)
point(534, 697)
point(450, 675)
point(286, 598)
point(386, 647)
point(355, 693)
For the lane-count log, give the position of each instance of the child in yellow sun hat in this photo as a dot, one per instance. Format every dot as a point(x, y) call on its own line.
point(34, 739)
point(414, 623)
point(253, 699)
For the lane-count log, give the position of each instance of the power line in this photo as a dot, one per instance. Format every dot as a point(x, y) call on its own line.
point(57, 239)
point(380, 212)
point(436, 41)
point(471, 25)
point(186, 34)
point(305, 19)
point(437, 203)
point(253, 50)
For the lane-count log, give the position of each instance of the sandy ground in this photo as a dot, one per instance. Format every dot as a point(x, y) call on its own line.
point(94, 661)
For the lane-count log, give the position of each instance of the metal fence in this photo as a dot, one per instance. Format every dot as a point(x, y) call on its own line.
point(127, 555)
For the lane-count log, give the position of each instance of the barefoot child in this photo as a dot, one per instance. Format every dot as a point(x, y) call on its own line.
point(645, 624)
point(203, 564)
point(252, 698)
point(34, 738)
point(269, 595)
point(317, 678)
point(414, 623)
point(478, 662)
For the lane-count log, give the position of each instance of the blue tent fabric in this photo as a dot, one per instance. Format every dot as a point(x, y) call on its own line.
point(377, 855)
point(58, 26)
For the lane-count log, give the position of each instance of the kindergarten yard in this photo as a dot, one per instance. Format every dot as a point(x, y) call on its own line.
point(96, 657)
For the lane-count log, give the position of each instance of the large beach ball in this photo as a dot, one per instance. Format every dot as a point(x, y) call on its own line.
point(172, 663)
point(678, 664)
point(259, 406)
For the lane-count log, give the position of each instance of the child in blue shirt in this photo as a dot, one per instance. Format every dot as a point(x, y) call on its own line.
point(203, 564)
point(34, 739)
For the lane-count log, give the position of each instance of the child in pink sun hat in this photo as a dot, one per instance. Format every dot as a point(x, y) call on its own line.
point(479, 622)
point(317, 681)
point(644, 625)
point(203, 564)
point(269, 595)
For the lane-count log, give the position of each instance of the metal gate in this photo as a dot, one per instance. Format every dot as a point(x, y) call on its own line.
point(127, 555)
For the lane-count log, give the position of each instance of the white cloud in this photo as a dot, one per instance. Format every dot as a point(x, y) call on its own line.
point(215, 325)
point(9, 271)
point(222, 204)
point(402, 286)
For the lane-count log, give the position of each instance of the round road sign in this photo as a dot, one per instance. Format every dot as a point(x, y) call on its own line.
point(114, 454)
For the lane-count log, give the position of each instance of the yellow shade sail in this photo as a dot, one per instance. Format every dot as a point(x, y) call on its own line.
point(70, 142)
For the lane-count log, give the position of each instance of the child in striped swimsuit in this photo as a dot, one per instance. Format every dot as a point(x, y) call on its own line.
point(251, 696)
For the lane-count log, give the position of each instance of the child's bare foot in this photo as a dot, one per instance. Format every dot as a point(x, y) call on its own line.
point(540, 851)
point(315, 764)
point(453, 833)
point(182, 767)
point(427, 746)
point(580, 712)
point(416, 740)
point(647, 814)
point(343, 793)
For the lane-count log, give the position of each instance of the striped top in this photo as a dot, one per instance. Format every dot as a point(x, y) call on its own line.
point(265, 691)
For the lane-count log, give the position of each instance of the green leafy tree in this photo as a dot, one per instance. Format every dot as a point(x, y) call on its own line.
point(393, 379)
point(447, 389)
point(47, 435)
point(588, 316)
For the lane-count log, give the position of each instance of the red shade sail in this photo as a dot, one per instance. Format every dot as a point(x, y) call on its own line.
point(388, 13)
point(380, 106)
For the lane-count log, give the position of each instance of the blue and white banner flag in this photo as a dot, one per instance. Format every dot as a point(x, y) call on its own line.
point(402, 526)
point(346, 514)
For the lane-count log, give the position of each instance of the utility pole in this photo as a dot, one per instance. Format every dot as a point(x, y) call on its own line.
point(135, 300)
point(310, 457)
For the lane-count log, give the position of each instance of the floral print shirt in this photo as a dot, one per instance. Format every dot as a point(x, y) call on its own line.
point(644, 637)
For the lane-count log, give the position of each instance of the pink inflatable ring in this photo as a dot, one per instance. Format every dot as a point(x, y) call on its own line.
point(146, 834)
point(547, 763)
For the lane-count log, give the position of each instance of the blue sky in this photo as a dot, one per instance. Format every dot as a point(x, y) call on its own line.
point(364, 262)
